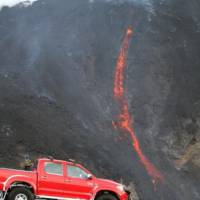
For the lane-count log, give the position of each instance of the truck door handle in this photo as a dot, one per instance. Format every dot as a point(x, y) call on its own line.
point(67, 180)
point(43, 177)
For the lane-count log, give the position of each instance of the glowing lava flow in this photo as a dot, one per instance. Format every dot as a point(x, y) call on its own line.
point(125, 119)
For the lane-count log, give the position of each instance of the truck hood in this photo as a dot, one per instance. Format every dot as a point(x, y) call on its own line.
point(107, 182)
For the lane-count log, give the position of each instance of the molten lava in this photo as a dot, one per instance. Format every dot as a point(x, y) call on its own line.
point(125, 119)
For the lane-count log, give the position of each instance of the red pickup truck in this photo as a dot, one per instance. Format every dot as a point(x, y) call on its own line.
point(58, 179)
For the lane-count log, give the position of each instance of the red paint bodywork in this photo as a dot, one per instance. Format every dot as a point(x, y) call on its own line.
point(46, 185)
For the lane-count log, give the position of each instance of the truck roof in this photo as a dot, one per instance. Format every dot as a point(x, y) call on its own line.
point(55, 160)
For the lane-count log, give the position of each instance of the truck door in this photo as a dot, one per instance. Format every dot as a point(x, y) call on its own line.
point(51, 180)
point(76, 183)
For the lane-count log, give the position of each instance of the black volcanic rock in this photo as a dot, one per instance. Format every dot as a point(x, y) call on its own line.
point(56, 79)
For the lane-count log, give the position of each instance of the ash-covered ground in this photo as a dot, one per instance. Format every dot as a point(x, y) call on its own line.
point(57, 62)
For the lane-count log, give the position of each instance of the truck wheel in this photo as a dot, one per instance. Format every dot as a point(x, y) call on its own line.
point(106, 197)
point(20, 193)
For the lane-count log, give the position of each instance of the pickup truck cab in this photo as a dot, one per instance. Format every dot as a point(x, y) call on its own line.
point(58, 179)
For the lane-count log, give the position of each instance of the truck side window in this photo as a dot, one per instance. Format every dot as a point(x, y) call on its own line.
point(76, 172)
point(53, 168)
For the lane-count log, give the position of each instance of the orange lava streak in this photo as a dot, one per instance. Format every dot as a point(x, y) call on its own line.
point(125, 119)
point(121, 63)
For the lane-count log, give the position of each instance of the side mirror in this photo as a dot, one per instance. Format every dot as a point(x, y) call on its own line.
point(89, 176)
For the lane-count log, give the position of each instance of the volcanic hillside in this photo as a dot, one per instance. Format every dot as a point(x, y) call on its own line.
point(58, 62)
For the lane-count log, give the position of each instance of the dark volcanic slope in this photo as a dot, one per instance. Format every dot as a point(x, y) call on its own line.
point(57, 61)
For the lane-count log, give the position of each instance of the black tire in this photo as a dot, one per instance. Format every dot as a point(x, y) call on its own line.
point(106, 197)
point(20, 190)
